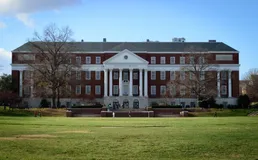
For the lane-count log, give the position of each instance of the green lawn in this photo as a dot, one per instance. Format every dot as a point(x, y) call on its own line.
point(53, 138)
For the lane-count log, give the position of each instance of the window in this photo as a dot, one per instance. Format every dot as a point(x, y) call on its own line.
point(98, 60)
point(162, 60)
point(88, 60)
point(153, 90)
point(162, 90)
point(135, 75)
point(27, 90)
point(202, 75)
point(135, 89)
point(201, 60)
point(70, 60)
point(115, 89)
point(182, 60)
point(78, 60)
point(78, 75)
point(153, 75)
point(182, 90)
point(191, 75)
point(182, 75)
point(172, 60)
point(88, 75)
point(223, 89)
point(223, 75)
point(172, 75)
point(162, 75)
point(125, 75)
point(97, 90)
point(97, 75)
point(172, 90)
point(153, 60)
point(115, 75)
point(191, 60)
point(87, 89)
point(78, 89)
point(26, 57)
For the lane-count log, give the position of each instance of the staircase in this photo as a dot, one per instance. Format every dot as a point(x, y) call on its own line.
point(255, 113)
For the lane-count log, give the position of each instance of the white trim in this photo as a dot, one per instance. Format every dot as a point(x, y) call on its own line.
point(165, 52)
point(125, 51)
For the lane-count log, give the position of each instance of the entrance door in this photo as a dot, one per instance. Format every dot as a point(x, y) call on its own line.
point(136, 104)
point(125, 103)
point(115, 104)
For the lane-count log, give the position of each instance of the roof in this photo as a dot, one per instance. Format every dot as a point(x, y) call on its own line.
point(139, 46)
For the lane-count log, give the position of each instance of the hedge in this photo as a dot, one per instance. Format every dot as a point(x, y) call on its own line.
point(167, 106)
point(90, 106)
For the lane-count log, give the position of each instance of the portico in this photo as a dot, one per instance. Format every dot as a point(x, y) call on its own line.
point(125, 68)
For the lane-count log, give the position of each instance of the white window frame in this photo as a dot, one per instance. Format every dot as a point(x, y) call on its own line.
point(162, 60)
point(191, 60)
point(163, 88)
point(162, 75)
point(135, 90)
point(78, 75)
point(153, 60)
point(201, 60)
point(224, 90)
point(153, 90)
point(202, 75)
point(97, 75)
point(172, 75)
point(135, 75)
point(182, 90)
point(97, 88)
point(182, 60)
point(78, 59)
point(182, 75)
point(173, 90)
point(172, 60)
point(78, 89)
point(98, 60)
point(115, 76)
point(88, 60)
point(125, 76)
point(115, 89)
point(88, 89)
point(88, 75)
point(153, 75)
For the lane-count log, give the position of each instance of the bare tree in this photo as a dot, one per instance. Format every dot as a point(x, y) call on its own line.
point(197, 77)
point(52, 61)
point(251, 83)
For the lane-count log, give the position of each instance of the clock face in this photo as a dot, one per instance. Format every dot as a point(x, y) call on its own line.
point(125, 57)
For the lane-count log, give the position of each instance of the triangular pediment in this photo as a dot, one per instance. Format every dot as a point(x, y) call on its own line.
point(126, 56)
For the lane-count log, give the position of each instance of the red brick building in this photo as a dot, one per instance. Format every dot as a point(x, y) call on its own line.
point(134, 73)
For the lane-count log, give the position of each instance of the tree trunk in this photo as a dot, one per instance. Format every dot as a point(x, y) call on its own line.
point(58, 98)
point(54, 98)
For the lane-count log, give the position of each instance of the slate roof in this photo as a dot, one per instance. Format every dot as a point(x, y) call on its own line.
point(139, 46)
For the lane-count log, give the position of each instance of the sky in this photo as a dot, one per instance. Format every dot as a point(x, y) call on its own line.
point(234, 22)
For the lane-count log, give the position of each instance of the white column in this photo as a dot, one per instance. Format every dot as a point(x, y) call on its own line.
point(120, 83)
point(229, 84)
point(105, 82)
point(32, 83)
point(110, 83)
point(145, 83)
point(140, 88)
point(218, 83)
point(131, 83)
point(21, 83)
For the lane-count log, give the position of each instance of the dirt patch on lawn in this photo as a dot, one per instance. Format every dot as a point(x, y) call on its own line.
point(78, 131)
point(28, 137)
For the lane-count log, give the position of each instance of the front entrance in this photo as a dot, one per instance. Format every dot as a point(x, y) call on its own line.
point(125, 103)
point(136, 104)
point(115, 104)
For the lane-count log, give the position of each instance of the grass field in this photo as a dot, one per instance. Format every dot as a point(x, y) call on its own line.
point(53, 138)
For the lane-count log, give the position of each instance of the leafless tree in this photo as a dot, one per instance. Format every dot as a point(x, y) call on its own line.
point(197, 77)
point(52, 61)
point(251, 83)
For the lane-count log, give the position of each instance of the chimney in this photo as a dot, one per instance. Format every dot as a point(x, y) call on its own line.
point(212, 41)
point(104, 40)
point(82, 40)
point(147, 40)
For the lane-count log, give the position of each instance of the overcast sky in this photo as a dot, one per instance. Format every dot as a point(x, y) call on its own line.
point(232, 22)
